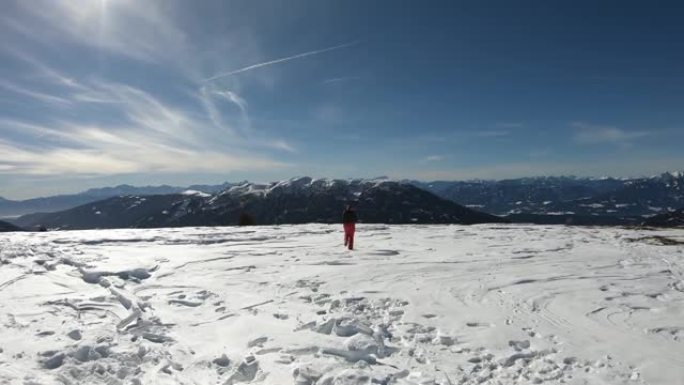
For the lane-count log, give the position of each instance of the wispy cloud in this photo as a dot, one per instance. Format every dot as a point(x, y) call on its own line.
point(597, 134)
point(340, 79)
point(126, 93)
point(128, 159)
point(113, 127)
point(434, 158)
point(40, 71)
point(143, 110)
point(282, 145)
point(34, 94)
point(234, 98)
point(280, 60)
point(208, 97)
point(150, 135)
point(138, 29)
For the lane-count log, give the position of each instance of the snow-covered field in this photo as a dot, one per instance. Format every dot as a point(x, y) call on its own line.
point(288, 305)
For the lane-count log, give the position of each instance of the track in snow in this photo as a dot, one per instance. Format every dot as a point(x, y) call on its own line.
point(413, 305)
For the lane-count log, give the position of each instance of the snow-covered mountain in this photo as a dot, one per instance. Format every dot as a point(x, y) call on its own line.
point(12, 208)
point(299, 200)
point(124, 189)
point(567, 195)
point(611, 199)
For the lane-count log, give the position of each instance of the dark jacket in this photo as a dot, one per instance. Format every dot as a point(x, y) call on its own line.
point(349, 216)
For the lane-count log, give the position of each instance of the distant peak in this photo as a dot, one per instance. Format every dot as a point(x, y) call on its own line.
point(305, 183)
point(669, 175)
point(195, 193)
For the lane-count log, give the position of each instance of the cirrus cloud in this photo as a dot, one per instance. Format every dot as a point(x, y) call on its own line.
point(595, 134)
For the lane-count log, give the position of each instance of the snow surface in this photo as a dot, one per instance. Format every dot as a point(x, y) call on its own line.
point(303, 184)
point(195, 193)
point(485, 304)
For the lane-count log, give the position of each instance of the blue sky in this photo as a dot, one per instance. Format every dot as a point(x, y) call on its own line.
point(102, 92)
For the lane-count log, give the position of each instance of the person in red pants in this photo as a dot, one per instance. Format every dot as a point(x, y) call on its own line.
point(349, 222)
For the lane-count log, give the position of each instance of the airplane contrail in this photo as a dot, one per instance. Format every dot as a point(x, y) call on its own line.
point(280, 60)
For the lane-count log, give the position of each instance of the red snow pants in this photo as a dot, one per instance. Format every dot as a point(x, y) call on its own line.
point(349, 229)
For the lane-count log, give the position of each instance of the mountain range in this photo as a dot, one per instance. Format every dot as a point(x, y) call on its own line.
point(635, 197)
point(545, 200)
point(300, 200)
point(15, 208)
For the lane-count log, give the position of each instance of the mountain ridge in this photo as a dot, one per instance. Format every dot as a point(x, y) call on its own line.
point(7, 227)
point(14, 208)
point(567, 195)
point(298, 200)
point(546, 195)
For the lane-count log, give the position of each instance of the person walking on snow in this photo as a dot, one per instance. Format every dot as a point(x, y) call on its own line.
point(349, 222)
